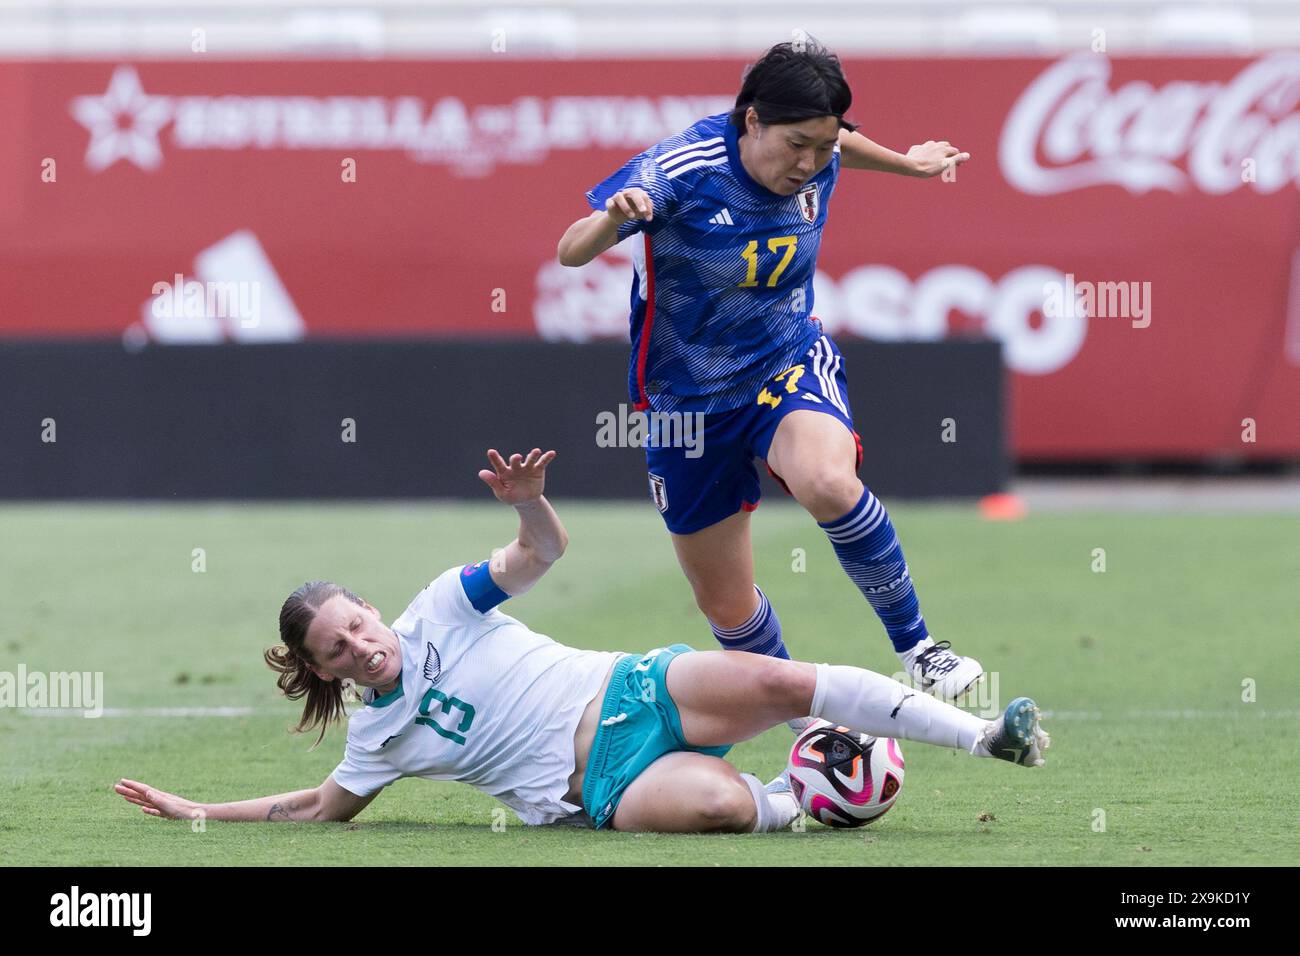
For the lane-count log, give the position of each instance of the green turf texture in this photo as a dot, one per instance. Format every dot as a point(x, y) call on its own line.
point(1144, 663)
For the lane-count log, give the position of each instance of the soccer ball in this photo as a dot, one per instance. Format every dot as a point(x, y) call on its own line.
point(842, 778)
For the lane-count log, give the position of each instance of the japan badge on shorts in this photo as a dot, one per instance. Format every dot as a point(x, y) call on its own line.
point(659, 492)
point(808, 204)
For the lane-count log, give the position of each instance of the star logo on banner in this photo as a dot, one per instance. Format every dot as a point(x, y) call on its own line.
point(110, 140)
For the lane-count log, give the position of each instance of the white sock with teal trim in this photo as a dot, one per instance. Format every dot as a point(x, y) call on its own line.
point(776, 811)
point(871, 703)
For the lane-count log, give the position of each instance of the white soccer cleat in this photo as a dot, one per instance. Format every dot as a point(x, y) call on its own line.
point(939, 671)
point(780, 783)
point(782, 801)
point(1015, 736)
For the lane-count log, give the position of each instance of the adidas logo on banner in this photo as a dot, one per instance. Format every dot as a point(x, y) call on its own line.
point(723, 218)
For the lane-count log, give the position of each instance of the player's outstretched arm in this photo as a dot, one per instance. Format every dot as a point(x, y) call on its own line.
point(924, 160)
point(542, 538)
point(329, 801)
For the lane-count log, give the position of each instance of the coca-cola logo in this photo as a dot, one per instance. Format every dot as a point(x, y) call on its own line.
point(1070, 130)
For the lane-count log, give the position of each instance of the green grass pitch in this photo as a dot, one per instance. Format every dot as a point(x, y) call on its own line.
point(1144, 666)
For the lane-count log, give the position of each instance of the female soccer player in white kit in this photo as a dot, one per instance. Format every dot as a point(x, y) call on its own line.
point(458, 690)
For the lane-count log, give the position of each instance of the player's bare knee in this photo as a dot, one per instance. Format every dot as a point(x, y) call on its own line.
point(829, 492)
point(727, 806)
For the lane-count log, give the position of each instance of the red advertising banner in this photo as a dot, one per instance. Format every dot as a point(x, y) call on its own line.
point(1129, 228)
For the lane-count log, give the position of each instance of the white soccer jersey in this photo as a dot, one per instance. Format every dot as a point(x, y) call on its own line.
point(481, 699)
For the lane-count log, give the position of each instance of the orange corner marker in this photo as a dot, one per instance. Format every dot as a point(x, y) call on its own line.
point(1002, 507)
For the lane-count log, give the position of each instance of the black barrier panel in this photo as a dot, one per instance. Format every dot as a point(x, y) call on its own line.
point(268, 421)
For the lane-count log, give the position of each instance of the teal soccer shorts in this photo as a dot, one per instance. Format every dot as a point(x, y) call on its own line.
point(639, 723)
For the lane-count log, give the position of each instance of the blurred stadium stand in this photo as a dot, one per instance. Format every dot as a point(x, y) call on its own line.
point(575, 28)
point(277, 435)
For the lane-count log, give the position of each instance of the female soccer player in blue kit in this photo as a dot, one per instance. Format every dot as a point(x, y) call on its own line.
point(731, 212)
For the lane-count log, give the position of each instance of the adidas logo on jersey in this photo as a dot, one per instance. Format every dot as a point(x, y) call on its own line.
point(723, 218)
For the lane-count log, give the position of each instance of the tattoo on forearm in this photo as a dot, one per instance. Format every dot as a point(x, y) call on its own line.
point(282, 811)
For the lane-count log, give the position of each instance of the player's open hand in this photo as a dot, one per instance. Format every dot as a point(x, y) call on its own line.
point(628, 204)
point(156, 803)
point(931, 158)
point(520, 479)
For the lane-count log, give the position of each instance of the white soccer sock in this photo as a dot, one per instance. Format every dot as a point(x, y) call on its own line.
point(776, 811)
point(871, 703)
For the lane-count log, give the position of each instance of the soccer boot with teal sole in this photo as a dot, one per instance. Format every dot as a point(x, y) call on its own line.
point(1016, 736)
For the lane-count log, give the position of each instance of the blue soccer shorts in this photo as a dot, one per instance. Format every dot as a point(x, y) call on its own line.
point(693, 493)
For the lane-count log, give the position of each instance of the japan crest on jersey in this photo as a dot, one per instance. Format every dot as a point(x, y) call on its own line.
point(807, 198)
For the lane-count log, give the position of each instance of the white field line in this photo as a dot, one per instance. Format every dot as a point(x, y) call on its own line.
point(1157, 495)
point(1187, 713)
point(1171, 714)
point(146, 711)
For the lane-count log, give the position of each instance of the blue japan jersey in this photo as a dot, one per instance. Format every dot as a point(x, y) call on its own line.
point(723, 287)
